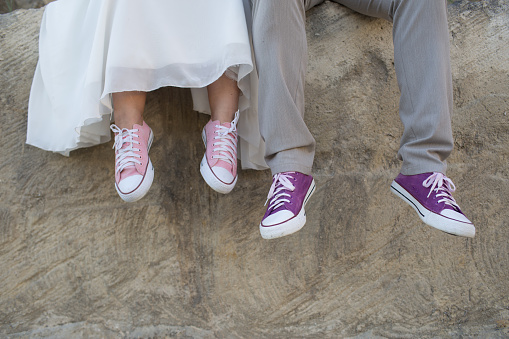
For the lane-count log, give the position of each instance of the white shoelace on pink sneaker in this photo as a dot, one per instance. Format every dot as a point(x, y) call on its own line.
point(443, 187)
point(277, 192)
point(126, 157)
point(227, 141)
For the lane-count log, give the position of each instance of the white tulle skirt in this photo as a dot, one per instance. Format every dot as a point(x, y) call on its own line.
point(89, 49)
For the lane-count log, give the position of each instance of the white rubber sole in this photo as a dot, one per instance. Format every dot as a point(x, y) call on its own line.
point(145, 184)
point(432, 219)
point(290, 226)
point(209, 176)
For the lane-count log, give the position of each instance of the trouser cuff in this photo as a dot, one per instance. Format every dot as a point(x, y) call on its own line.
point(289, 167)
point(408, 169)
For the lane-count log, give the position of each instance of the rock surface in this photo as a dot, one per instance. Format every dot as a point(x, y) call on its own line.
point(7, 6)
point(75, 261)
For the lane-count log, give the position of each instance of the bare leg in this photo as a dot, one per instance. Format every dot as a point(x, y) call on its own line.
point(128, 108)
point(223, 99)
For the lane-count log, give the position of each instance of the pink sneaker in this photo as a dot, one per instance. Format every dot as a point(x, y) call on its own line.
point(219, 164)
point(134, 172)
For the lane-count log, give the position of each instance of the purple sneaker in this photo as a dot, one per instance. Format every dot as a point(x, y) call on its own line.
point(430, 194)
point(289, 193)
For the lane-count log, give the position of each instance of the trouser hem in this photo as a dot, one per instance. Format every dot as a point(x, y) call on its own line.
point(413, 170)
point(291, 167)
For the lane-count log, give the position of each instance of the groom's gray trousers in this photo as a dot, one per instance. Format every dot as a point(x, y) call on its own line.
point(422, 62)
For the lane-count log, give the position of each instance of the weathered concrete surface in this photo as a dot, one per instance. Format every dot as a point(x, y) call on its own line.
point(10, 5)
point(75, 261)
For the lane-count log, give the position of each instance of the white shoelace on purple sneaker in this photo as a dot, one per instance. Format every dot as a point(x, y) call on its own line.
point(443, 187)
point(277, 194)
point(227, 144)
point(126, 157)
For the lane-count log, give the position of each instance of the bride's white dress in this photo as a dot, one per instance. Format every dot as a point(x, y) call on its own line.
point(89, 49)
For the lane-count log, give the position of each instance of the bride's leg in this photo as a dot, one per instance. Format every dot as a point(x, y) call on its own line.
point(219, 164)
point(223, 98)
point(134, 172)
point(128, 108)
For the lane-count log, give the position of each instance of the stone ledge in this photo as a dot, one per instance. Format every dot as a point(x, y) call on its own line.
point(77, 261)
